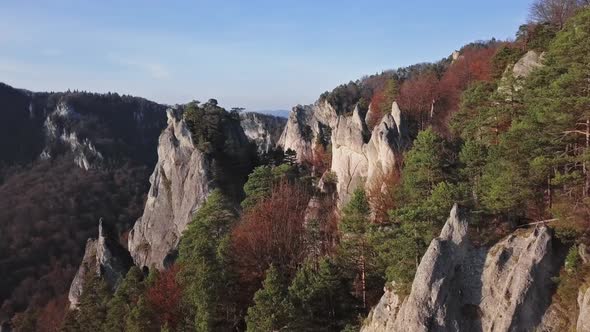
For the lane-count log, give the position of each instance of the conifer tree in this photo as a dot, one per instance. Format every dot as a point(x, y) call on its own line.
point(320, 298)
point(258, 186)
point(356, 253)
point(271, 308)
point(202, 254)
point(124, 299)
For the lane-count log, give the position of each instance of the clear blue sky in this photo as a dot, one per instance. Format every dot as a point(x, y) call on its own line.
point(259, 54)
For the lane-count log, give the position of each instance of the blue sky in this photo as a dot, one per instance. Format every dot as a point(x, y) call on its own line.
point(259, 54)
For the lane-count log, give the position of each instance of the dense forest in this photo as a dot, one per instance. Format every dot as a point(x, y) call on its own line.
point(50, 206)
point(510, 150)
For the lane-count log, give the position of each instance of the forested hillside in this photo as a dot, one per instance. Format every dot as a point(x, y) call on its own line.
point(501, 128)
point(50, 204)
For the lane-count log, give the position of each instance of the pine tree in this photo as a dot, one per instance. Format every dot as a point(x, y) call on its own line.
point(320, 298)
point(258, 186)
point(124, 299)
point(271, 308)
point(203, 253)
point(140, 318)
point(92, 311)
point(425, 166)
point(356, 253)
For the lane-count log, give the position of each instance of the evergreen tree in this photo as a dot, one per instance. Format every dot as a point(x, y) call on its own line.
point(271, 308)
point(425, 166)
point(203, 255)
point(355, 251)
point(320, 298)
point(258, 186)
point(124, 299)
point(140, 318)
point(92, 310)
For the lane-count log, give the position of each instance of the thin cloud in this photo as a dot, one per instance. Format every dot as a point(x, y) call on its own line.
point(51, 52)
point(153, 69)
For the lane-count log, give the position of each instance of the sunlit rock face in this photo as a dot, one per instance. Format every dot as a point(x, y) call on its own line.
point(360, 157)
point(459, 287)
point(180, 184)
point(264, 130)
point(183, 178)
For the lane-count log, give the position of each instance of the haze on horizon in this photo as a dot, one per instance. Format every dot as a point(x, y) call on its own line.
point(259, 54)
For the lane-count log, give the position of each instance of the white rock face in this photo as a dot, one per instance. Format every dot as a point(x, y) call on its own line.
point(583, 324)
point(180, 183)
point(525, 65)
point(462, 288)
point(513, 75)
point(264, 130)
point(359, 157)
point(102, 257)
point(304, 125)
point(359, 164)
point(85, 153)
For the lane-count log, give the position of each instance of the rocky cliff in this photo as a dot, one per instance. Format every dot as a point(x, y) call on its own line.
point(264, 130)
point(459, 287)
point(180, 183)
point(184, 176)
point(91, 129)
point(103, 257)
point(359, 157)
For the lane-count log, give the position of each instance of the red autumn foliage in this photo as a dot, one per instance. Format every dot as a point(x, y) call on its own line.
point(271, 232)
point(474, 64)
point(381, 195)
point(375, 113)
point(164, 297)
point(51, 316)
point(321, 160)
point(418, 95)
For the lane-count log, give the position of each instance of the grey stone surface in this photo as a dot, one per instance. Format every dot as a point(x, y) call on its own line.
point(459, 287)
point(180, 184)
point(359, 157)
point(264, 130)
point(103, 257)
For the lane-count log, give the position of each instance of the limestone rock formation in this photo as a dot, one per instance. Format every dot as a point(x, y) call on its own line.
point(182, 179)
point(513, 75)
point(583, 324)
point(525, 65)
point(103, 257)
point(359, 157)
point(264, 130)
point(180, 184)
point(305, 125)
point(459, 287)
point(84, 152)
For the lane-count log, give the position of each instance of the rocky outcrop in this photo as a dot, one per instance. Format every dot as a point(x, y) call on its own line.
point(525, 65)
point(459, 287)
point(88, 128)
point(84, 152)
point(103, 257)
point(513, 75)
point(182, 179)
point(264, 130)
point(359, 164)
point(180, 183)
point(359, 157)
point(305, 125)
point(583, 324)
